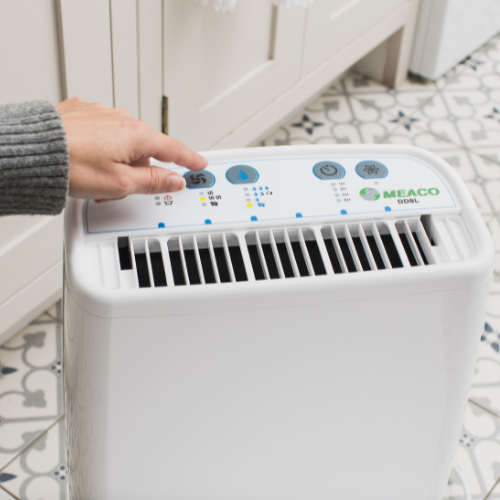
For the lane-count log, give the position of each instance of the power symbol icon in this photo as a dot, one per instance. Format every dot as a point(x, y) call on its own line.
point(329, 170)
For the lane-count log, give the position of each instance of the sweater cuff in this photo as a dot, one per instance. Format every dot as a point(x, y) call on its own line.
point(34, 159)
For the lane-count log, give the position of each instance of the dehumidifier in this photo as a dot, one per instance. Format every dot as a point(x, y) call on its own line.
point(298, 323)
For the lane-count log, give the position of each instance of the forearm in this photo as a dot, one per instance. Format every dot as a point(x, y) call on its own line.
point(34, 159)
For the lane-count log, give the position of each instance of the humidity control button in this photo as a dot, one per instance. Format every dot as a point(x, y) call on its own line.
point(242, 174)
point(198, 180)
point(370, 169)
point(326, 170)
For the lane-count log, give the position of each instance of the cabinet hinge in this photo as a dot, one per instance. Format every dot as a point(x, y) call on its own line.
point(164, 119)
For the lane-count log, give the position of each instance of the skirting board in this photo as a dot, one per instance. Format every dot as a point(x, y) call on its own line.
point(284, 107)
point(31, 301)
point(32, 276)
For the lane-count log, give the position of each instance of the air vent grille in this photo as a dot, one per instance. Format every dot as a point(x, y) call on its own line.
point(284, 253)
point(279, 254)
point(360, 248)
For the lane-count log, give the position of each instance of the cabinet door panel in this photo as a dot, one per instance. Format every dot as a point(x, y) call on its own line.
point(220, 69)
point(332, 24)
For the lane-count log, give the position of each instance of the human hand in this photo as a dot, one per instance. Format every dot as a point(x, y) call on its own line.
point(109, 153)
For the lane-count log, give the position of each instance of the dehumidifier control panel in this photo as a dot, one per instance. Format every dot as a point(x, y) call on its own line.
point(279, 189)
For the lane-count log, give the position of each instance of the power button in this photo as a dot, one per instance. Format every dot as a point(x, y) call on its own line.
point(325, 170)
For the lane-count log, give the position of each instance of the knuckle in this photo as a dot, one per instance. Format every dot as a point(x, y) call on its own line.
point(122, 112)
point(140, 127)
point(76, 100)
point(98, 105)
point(155, 183)
point(123, 186)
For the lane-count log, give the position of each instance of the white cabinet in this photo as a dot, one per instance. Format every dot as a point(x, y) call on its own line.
point(331, 25)
point(220, 69)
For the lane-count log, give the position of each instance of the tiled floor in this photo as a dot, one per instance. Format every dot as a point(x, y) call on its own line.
point(458, 118)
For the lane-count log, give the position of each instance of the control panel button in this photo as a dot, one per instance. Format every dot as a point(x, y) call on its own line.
point(326, 170)
point(198, 180)
point(370, 169)
point(242, 174)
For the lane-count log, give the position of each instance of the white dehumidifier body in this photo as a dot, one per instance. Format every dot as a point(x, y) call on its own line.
point(298, 323)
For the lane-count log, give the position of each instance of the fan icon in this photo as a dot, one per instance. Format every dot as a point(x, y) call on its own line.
point(198, 179)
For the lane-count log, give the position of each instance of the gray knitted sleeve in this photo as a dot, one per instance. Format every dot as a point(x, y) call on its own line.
point(34, 159)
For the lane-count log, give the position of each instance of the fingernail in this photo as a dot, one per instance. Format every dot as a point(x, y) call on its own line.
point(175, 183)
point(205, 158)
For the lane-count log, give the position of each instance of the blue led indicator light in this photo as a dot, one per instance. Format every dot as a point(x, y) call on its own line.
point(256, 199)
point(267, 188)
point(253, 218)
point(161, 224)
point(208, 221)
point(298, 215)
point(387, 209)
point(254, 189)
point(343, 212)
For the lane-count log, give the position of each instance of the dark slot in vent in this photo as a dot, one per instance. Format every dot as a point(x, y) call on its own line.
point(285, 260)
point(315, 256)
point(376, 252)
point(220, 257)
point(391, 250)
point(124, 253)
point(176, 264)
point(299, 258)
point(362, 247)
point(141, 264)
point(192, 267)
point(411, 242)
point(285, 253)
point(346, 252)
point(408, 250)
point(206, 264)
point(271, 263)
point(240, 272)
point(337, 268)
point(358, 244)
point(258, 271)
point(158, 269)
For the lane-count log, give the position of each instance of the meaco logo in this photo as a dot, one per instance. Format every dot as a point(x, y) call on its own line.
point(369, 194)
point(403, 193)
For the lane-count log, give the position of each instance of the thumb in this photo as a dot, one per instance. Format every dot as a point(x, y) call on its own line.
point(154, 180)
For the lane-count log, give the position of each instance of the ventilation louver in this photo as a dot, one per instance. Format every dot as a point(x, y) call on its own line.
point(289, 253)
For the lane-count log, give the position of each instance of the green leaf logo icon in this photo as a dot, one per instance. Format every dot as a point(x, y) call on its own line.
point(369, 194)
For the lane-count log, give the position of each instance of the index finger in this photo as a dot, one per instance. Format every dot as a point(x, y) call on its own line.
point(165, 148)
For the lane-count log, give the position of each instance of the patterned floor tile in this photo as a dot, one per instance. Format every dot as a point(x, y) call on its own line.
point(31, 385)
point(41, 471)
point(493, 190)
point(495, 493)
point(4, 495)
point(478, 454)
point(457, 157)
point(56, 311)
point(485, 389)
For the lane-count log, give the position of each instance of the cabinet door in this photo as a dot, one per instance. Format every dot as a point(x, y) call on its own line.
point(221, 68)
point(332, 24)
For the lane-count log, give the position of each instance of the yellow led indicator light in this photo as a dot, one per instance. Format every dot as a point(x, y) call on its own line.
point(202, 198)
point(249, 205)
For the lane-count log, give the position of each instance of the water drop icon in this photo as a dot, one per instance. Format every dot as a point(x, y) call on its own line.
point(242, 176)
